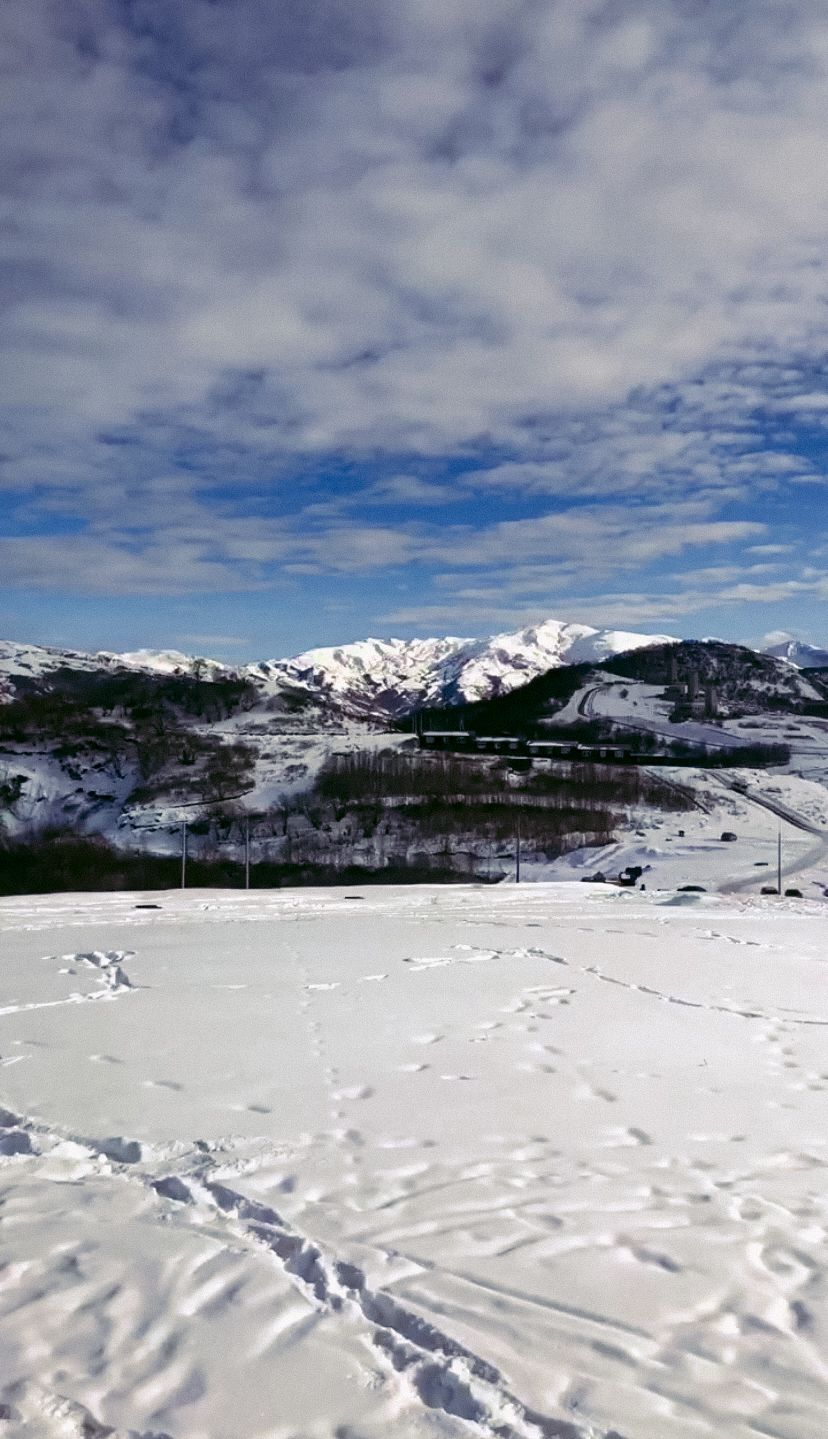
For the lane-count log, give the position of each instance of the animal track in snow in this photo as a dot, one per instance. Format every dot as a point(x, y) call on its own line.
point(466, 954)
point(625, 1138)
point(699, 1004)
point(588, 1091)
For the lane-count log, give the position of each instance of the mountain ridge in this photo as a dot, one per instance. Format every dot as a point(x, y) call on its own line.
point(371, 677)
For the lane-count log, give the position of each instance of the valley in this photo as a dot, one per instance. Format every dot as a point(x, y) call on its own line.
point(314, 771)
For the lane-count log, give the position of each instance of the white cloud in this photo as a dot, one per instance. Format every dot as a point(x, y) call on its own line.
point(249, 238)
point(622, 610)
point(472, 213)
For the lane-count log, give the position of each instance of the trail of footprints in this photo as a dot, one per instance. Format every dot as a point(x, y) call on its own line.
point(443, 1374)
point(540, 993)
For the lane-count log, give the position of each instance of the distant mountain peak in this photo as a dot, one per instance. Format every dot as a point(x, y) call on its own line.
point(396, 676)
point(384, 678)
point(796, 652)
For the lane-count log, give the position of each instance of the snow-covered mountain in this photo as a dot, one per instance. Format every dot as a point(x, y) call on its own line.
point(30, 661)
point(805, 657)
point(368, 677)
point(394, 677)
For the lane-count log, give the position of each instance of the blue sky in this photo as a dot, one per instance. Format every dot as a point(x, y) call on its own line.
point(327, 318)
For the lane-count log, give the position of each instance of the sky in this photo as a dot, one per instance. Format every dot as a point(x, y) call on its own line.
point(329, 318)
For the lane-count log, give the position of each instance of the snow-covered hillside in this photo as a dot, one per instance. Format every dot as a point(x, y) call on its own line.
point(33, 660)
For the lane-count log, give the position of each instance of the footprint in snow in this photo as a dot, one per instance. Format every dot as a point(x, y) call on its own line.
point(162, 1084)
point(625, 1138)
point(98, 958)
point(586, 1091)
point(107, 962)
point(652, 1257)
point(119, 1149)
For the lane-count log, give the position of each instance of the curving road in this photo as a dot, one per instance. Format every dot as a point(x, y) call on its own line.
point(817, 852)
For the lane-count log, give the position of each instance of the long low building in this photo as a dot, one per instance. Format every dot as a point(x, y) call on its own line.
point(468, 742)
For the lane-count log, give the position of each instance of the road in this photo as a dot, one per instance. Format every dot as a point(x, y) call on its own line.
point(814, 855)
point(691, 731)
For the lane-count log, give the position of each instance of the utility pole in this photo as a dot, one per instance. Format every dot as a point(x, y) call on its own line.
point(779, 860)
point(517, 851)
point(247, 853)
point(184, 854)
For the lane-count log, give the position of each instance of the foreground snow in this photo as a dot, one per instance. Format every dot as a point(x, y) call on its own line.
point(545, 1160)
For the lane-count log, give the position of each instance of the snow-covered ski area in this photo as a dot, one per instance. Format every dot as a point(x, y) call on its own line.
point(537, 1160)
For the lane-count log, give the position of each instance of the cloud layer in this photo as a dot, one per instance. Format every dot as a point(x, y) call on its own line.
point(271, 268)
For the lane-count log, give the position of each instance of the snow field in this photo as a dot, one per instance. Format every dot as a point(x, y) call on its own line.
point(546, 1160)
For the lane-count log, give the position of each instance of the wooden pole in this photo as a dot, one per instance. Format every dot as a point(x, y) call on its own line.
point(247, 854)
point(517, 851)
point(184, 854)
point(779, 859)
